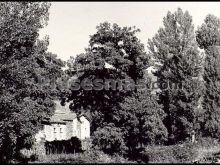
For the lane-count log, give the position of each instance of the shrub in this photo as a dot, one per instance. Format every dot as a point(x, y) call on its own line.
point(63, 146)
point(109, 139)
point(25, 155)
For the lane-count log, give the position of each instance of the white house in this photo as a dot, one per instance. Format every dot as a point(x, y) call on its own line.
point(63, 125)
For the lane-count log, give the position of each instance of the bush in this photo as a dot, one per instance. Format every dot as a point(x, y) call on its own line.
point(158, 154)
point(25, 155)
point(109, 139)
point(138, 156)
point(63, 146)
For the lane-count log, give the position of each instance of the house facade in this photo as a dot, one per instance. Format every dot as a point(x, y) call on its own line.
point(63, 125)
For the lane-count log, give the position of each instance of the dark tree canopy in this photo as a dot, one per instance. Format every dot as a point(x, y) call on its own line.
point(115, 53)
point(114, 46)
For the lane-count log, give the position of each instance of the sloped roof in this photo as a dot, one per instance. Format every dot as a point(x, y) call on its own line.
point(62, 117)
point(62, 114)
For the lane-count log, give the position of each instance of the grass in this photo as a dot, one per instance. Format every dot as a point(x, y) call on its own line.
point(79, 158)
point(170, 154)
point(206, 150)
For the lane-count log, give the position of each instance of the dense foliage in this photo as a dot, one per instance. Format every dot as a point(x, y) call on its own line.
point(208, 38)
point(124, 116)
point(109, 84)
point(26, 74)
point(177, 60)
point(72, 145)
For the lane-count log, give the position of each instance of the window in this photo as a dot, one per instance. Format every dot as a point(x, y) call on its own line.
point(60, 130)
point(54, 129)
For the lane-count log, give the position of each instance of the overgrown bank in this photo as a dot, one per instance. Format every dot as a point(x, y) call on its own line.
point(206, 150)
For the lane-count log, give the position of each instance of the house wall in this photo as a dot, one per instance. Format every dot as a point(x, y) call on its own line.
point(74, 126)
point(55, 132)
point(69, 129)
point(78, 129)
point(85, 128)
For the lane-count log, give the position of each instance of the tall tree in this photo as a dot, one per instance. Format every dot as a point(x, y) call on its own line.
point(26, 74)
point(175, 52)
point(114, 54)
point(208, 38)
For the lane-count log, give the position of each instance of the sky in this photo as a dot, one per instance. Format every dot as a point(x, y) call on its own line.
point(71, 23)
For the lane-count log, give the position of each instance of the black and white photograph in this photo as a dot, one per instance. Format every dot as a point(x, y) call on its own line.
point(105, 82)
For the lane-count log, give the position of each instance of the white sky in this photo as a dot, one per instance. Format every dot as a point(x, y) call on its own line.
point(71, 23)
